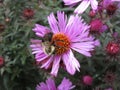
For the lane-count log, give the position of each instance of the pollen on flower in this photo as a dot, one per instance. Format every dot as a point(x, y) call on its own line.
point(61, 43)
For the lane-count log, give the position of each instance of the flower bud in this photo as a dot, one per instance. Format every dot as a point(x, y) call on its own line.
point(28, 13)
point(1, 61)
point(112, 48)
point(92, 14)
point(111, 8)
point(87, 80)
point(2, 27)
point(96, 25)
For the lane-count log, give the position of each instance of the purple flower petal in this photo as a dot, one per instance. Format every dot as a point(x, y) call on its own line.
point(42, 86)
point(62, 21)
point(41, 56)
point(70, 62)
point(74, 32)
point(40, 30)
point(83, 51)
point(115, 0)
point(71, 2)
point(56, 64)
point(82, 7)
point(50, 85)
point(53, 23)
point(65, 85)
point(47, 64)
point(94, 4)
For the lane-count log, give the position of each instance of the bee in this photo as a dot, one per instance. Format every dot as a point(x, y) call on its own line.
point(47, 46)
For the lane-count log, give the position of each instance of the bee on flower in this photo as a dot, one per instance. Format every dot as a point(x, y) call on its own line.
point(58, 42)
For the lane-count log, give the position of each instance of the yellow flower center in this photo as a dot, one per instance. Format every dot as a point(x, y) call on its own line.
point(61, 43)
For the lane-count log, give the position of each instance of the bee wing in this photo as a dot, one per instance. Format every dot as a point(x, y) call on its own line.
point(52, 49)
point(48, 48)
point(43, 47)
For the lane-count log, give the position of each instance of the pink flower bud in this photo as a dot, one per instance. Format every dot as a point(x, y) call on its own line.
point(87, 80)
point(111, 8)
point(112, 48)
point(96, 25)
point(28, 13)
point(1, 61)
point(92, 14)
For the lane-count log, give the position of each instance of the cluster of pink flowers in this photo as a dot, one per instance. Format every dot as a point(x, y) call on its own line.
point(65, 35)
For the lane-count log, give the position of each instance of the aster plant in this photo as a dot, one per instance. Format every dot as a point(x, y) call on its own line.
point(68, 35)
point(48, 40)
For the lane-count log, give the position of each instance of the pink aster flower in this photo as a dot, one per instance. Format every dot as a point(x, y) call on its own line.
point(50, 85)
point(97, 26)
point(106, 3)
point(110, 6)
point(65, 36)
point(83, 4)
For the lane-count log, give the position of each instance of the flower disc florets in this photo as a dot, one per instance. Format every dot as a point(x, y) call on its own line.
point(61, 43)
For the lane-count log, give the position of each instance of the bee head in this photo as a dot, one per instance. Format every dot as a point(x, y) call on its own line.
point(47, 37)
